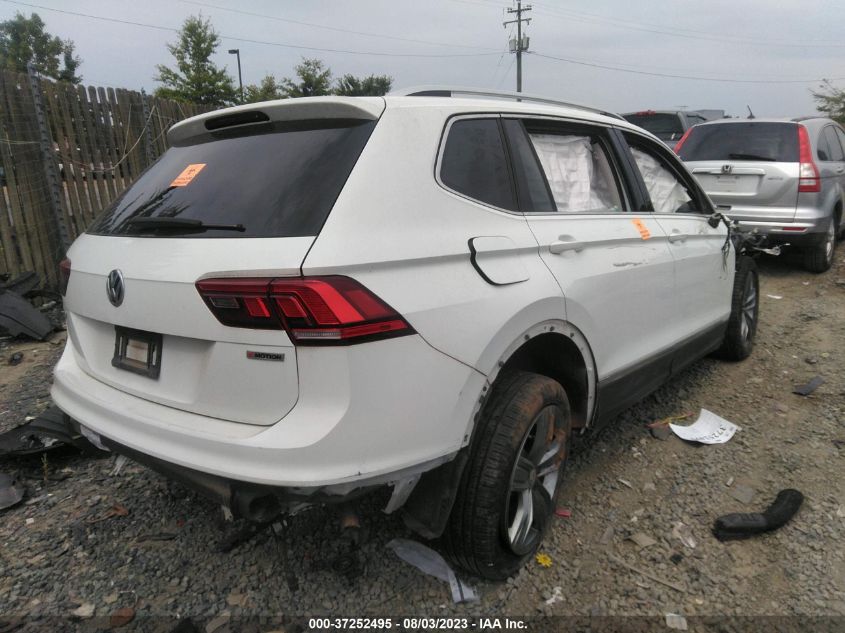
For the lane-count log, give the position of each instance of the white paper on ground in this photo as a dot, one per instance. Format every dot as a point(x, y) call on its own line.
point(709, 428)
point(430, 562)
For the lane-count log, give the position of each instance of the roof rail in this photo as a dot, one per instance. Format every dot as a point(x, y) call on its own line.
point(453, 91)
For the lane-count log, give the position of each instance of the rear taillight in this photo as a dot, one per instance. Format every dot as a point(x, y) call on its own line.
point(64, 275)
point(682, 141)
point(808, 173)
point(330, 310)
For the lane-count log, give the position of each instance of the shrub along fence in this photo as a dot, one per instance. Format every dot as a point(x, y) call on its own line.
point(66, 152)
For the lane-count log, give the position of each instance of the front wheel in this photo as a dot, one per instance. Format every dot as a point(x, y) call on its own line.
point(745, 306)
point(509, 488)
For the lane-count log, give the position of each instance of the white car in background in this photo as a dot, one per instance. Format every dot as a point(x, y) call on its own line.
point(307, 299)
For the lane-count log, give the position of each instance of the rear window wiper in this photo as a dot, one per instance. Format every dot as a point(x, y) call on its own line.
point(183, 224)
point(752, 157)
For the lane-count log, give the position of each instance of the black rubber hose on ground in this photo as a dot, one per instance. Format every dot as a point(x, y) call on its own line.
point(738, 526)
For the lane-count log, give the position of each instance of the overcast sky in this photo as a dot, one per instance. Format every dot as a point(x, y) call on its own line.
point(463, 42)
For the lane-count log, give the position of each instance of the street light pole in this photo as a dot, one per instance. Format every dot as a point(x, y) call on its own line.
point(237, 51)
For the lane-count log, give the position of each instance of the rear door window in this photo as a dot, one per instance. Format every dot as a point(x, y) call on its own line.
point(833, 144)
point(282, 182)
point(751, 141)
point(578, 170)
point(474, 163)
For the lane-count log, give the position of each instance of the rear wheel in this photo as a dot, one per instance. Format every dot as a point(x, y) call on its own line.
point(745, 305)
point(509, 488)
point(819, 258)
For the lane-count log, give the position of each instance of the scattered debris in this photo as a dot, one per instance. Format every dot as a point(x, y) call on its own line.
point(543, 560)
point(11, 491)
point(84, 611)
point(646, 574)
point(709, 428)
point(739, 526)
point(49, 430)
point(742, 493)
point(119, 463)
point(116, 510)
point(676, 621)
point(563, 513)
point(18, 316)
point(607, 536)
point(218, 623)
point(641, 539)
point(676, 558)
point(625, 483)
point(121, 617)
point(683, 533)
point(16, 358)
point(430, 562)
point(156, 536)
point(729, 482)
point(775, 296)
point(661, 432)
point(557, 596)
point(808, 388)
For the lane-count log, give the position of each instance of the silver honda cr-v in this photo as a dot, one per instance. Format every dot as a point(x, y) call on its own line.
point(785, 178)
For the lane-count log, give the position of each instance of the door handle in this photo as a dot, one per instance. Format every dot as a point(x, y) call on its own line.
point(677, 237)
point(841, 170)
point(561, 246)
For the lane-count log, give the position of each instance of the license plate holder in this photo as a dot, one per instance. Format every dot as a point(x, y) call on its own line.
point(137, 351)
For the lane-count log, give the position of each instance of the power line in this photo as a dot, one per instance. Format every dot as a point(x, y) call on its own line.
point(690, 77)
point(251, 41)
point(332, 28)
point(568, 14)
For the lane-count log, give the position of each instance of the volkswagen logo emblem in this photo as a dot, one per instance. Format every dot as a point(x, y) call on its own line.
point(115, 287)
point(726, 169)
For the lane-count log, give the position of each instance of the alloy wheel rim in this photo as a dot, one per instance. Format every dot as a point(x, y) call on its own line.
point(830, 241)
point(533, 481)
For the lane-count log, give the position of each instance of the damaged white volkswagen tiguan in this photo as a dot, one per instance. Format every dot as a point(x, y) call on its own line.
point(306, 300)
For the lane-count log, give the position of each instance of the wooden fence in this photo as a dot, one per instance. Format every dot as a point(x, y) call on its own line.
point(66, 152)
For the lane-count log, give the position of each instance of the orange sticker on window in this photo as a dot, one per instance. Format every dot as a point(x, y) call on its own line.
point(188, 174)
point(642, 228)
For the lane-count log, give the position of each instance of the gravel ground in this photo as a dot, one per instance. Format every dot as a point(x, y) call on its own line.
point(74, 545)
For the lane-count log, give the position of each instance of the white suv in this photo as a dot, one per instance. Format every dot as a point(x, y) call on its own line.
point(305, 300)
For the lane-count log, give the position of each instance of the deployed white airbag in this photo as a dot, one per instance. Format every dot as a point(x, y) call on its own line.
point(667, 194)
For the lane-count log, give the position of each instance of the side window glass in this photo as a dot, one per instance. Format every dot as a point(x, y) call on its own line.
point(578, 171)
point(823, 151)
point(474, 163)
point(668, 193)
point(840, 135)
point(833, 144)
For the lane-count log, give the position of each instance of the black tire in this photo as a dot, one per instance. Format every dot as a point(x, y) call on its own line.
point(819, 258)
point(745, 306)
point(525, 422)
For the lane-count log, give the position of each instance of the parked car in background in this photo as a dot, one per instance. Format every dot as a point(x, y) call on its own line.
point(783, 178)
point(667, 125)
point(280, 313)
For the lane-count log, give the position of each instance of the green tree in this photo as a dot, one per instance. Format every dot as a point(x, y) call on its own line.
point(372, 86)
point(24, 38)
point(267, 90)
point(314, 80)
point(196, 78)
point(831, 101)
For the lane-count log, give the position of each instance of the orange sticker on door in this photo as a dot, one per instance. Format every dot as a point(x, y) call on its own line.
point(188, 174)
point(642, 228)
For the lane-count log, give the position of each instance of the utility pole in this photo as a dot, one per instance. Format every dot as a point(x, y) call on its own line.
point(521, 43)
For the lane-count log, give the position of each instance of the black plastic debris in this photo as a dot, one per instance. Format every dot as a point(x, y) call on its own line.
point(18, 316)
point(810, 387)
point(16, 358)
point(11, 491)
point(50, 430)
point(739, 526)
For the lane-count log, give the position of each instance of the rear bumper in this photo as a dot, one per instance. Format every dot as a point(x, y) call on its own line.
point(367, 414)
point(808, 228)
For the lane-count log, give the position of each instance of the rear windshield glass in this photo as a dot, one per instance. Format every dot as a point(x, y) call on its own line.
point(281, 182)
point(776, 142)
point(666, 127)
